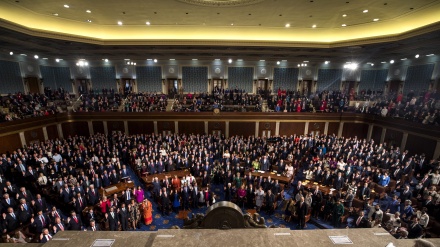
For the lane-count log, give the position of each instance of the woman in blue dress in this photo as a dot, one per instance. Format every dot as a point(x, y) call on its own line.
point(176, 200)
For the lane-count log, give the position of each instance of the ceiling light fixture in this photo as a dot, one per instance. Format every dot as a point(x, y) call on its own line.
point(106, 60)
point(66, 6)
point(82, 63)
point(383, 62)
point(351, 66)
point(89, 21)
point(240, 60)
point(314, 26)
point(89, 11)
point(23, 55)
point(11, 53)
point(55, 14)
point(403, 59)
point(36, 56)
point(194, 59)
point(262, 60)
point(45, 58)
point(155, 60)
point(148, 23)
point(430, 55)
point(372, 64)
point(344, 25)
point(344, 15)
point(287, 25)
point(365, 11)
point(217, 59)
point(392, 61)
point(376, 19)
point(299, 65)
point(327, 62)
point(278, 62)
point(232, 24)
point(172, 59)
point(120, 23)
point(229, 60)
point(417, 56)
point(57, 60)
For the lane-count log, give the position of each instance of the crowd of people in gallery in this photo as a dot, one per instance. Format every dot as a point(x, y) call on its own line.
point(422, 107)
point(55, 186)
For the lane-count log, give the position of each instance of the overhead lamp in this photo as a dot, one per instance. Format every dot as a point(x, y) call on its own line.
point(365, 11)
point(262, 60)
point(89, 11)
point(194, 59)
point(344, 15)
point(239, 60)
point(66, 6)
point(278, 62)
point(82, 63)
point(417, 56)
point(155, 60)
point(376, 19)
point(36, 56)
point(172, 59)
point(392, 61)
point(89, 21)
point(314, 26)
point(229, 60)
point(57, 60)
point(24, 55)
point(403, 59)
point(344, 25)
point(351, 66)
point(383, 62)
point(148, 23)
point(327, 62)
point(287, 25)
point(55, 14)
point(11, 53)
point(372, 64)
point(430, 55)
point(217, 59)
point(45, 58)
point(106, 60)
point(299, 65)
point(120, 23)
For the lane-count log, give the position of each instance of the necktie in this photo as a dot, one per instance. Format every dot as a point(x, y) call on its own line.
point(75, 219)
point(25, 206)
point(13, 215)
point(358, 221)
point(80, 202)
point(41, 202)
point(61, 226)
point(113, 215)
point(42, 220)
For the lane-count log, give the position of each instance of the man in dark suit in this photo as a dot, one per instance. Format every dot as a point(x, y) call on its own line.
point(165, 202)
point(11, 220)
point(40, 204)
point(123, 217)
point(301, 209)
point(93, 195)
point(39, 222)
point(415, 230)
point(89, 217)
point(112, 219)
point(270, 202)
point(8, 201)
point(316, 201)
point(364, 192)
point(194, 196)
point(74, 223)
point(58, 225)
point(405, 193)
point(299, 188)
point(338, 182)
point(25, 194)
point(25, 211)
point(360, 221)
point(93, 227)
point(66, 194)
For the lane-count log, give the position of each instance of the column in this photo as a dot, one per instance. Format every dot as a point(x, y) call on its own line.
point(382, 136)
point(90, 125)
point(326, 128)
point(155, 127)
point(22, 139)
point(404, 139)
point(176, 127)
point(206, 125)
point(105, 127)
point(370, 131)
point(126, 127)
point(341, 127)
point(437, 150)
point(306, 128)
point(60, 131)
point(227, 129)
point(46, 137)
point(277, 128)
point(257, 128)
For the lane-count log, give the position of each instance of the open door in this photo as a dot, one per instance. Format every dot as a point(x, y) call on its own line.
point(307, 87)
point(33, 84)
point(172, 87)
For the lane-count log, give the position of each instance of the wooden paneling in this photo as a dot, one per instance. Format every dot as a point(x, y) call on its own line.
point(140, 127)
point(393, 137)
point(98, 127)
point(165, 126)
point(355, 129)
point(52, 132)
point(216, 126)
point(419, 145)
point(241, 129)
point(266, 126)
point(191, 127)
point(34, 136)
point(316, 127)
point(9, 143)
point(376, 134)
point(288, 129)
point(333, 128)
point(75, 128)
point(115, 126)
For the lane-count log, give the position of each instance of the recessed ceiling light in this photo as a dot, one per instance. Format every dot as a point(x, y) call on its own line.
point(299, 65)
point(365, 11)
point(36, 56)
point(232, 24)
point(23, 55)
point(148, 23)
point(11, 53)
point(327, 62)
point(172, 59)
point(229, 60)
point(155, 60)
point(194, 59)
point(383, 62)
point(344, 25)
point(57, 60)
point(217, 59)
point(45, 58)
point(89, 21)
point(305, 61)
point(417, 56)
point(287, 25)
point(55, 14)
point(344, 15)
point(278, 62)
point(106, 60)
point(149, 59)
point(120, 23)
point(283, 60)
point(392, 61)
point(403, 59)
point(429, 55)
point(239, 60)
point(313, 26)
point(372, 64)
point(66, 6)
point(376, 19)
point(262, 60)
point(89, 11)
point(127, 59)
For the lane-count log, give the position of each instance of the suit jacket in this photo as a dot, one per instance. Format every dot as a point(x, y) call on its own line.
point(338, 183)
point(93, 197)
point(40, 224)
point(414, 231)
point(96, 228)
point(58, 227)
point(363, 223)
point(75, 224)
point(364, 192)
point(113, 221)
point(301, 209)
point(40, 204)
point(11, 223)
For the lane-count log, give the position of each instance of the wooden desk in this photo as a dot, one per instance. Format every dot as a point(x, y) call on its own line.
point(273, 176)
point(115, 189)
point(180, 173)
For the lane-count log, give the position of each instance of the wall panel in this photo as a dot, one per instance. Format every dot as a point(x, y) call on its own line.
point(393, 137)
point(333, 128)
point(34, 135)
point(192, 127)
point(52, 132)
point(115, 126)
point(266, 126)
point(420, 145)
point(290, 128)
point(165, 126)
point(140, 127)
point(376, 134)
point(316, 127)
point(217, 126)
point(98, 127)
point(75, 128)
point(241, 129)
point(355, 129)
point(9, 143)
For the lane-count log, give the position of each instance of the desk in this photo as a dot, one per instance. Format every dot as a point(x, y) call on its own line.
point(115, 189)
point(273, 176)
point(180, 173)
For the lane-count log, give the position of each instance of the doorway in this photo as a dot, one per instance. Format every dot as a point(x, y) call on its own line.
point(82, 86)
point(394, 86)
point(127, 85)
point(172, 87)
point(307, 87)
point(33, 85)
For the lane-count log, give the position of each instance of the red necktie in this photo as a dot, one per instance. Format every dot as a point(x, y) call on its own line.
point(75, 219)
point(80, 202)
point(43, 221)
point(358, 221)
point(61, 227)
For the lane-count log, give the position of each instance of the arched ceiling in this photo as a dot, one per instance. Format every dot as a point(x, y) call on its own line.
point(224, 22)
